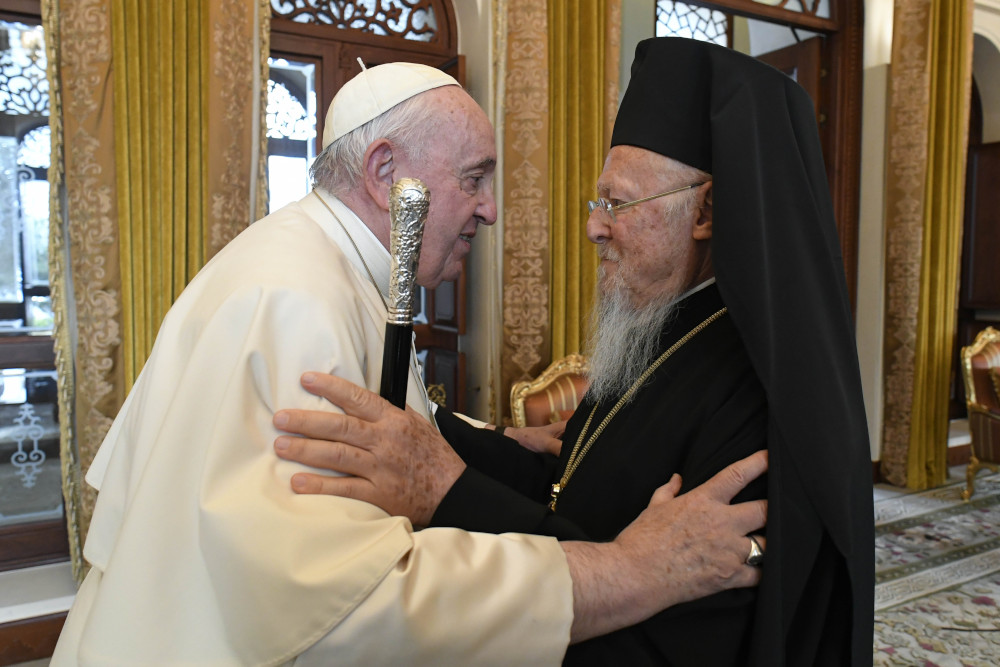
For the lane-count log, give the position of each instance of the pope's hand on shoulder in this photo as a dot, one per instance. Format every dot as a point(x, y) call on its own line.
point(394, 459)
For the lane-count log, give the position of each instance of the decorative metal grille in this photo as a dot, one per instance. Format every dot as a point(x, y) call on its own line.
point(411, 19)
point(679, 19)
point(35, 148)
point(287, 118)
point(28, 459)
point(24, 90)
point(29, 447)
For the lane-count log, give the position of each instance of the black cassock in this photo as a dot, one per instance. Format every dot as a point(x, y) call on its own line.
point(777, 262)
point(700, 411)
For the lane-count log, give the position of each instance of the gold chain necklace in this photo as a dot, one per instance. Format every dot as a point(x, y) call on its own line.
point(580, 449)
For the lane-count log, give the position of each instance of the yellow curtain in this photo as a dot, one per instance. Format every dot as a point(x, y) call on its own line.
point(928, 138)
point(184, 95)
point(584, 45)
point(159, 140)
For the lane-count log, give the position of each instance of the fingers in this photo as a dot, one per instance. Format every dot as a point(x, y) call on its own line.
point(349, 397)
point(308, 483)
point(668, 491)
point(336, 456)
point(733, 478)
point(557, 429)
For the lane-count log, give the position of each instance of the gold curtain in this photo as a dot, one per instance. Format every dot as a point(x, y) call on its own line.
point(547, 115)
point(931, 75)
point(158, 144)
point(585, 40)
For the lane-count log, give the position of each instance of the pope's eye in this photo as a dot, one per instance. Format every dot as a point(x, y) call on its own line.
point(471, 184)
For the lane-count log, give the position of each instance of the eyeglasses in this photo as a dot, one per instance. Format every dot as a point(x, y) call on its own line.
point(609, 208)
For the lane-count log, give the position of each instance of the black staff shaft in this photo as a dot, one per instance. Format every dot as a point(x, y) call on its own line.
point(396, 363)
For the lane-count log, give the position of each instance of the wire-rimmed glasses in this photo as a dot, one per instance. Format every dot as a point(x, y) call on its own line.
point(609, 208)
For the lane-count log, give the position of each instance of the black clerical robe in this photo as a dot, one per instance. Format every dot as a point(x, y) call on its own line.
point(701, 410)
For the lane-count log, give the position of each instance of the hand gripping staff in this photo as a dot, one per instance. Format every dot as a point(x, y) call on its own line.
point(408, 203)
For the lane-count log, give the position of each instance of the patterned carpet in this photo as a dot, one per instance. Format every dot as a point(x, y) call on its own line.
point(937, 591)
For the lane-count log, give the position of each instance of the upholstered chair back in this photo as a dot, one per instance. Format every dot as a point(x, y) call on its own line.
point(553, 395)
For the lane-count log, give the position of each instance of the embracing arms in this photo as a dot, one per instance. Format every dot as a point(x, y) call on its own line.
point(680, 548)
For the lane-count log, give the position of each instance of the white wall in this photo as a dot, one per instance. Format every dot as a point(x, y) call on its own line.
point(870, 318)
point(986, 64)
point(481, 343)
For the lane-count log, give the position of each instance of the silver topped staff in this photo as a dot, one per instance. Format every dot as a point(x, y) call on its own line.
point(409, 200)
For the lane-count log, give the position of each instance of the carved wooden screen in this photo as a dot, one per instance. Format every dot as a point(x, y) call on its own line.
point(326, 37)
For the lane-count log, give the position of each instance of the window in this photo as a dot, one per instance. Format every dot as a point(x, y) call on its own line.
point(32, 528)
point(679, 19)
point(291, 129)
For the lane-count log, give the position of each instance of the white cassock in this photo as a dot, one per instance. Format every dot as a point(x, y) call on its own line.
point(201, 553)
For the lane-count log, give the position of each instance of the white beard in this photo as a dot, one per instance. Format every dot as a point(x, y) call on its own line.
point(622, 342)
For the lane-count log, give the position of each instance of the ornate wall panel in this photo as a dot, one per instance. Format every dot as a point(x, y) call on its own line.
point(91, 390)
point(525, 347)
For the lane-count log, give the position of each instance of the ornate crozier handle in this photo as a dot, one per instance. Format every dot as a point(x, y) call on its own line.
point(409, 200)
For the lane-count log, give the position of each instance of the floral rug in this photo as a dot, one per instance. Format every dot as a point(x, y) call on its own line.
point(937, 581)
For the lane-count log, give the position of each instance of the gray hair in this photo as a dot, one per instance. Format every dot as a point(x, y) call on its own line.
point(339, 167)
point(687, 201)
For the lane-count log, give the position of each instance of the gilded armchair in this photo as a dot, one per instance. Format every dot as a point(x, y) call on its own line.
point(981, 372)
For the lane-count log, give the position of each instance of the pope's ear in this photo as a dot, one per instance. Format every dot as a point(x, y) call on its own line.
point(702, 229)
point(378, 172)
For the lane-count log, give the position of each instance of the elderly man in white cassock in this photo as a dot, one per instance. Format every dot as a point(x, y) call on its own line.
point(199, 551)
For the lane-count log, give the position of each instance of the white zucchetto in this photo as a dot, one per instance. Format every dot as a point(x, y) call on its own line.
point(376, 90)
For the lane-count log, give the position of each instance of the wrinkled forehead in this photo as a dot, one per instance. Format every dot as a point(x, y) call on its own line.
point(628, 165)
point(461, 127)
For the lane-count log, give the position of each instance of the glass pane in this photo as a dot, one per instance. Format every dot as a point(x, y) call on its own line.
point(24, 188)
point(291, 129)
point(35, 226)
point(10, 243)
point(287, 180)
point(38, 311)
point(25, 90)
point(679, 19)
point(30, 480)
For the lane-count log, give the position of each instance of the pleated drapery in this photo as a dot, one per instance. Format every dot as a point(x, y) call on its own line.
point(585, 40)
point(931, 76)
point(159, 152)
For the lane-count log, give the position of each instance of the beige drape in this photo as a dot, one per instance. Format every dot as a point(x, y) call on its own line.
point(158, 137)
point(931, 76)
point(560, 76)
